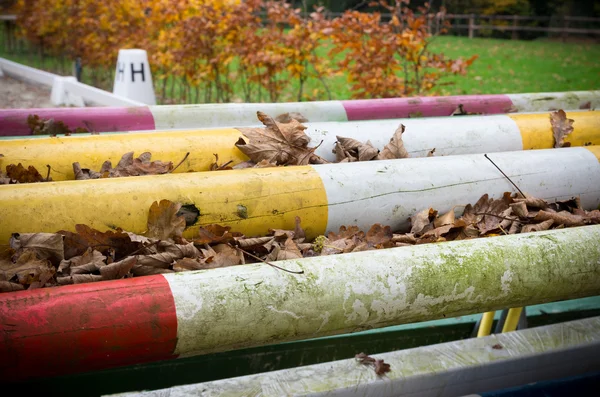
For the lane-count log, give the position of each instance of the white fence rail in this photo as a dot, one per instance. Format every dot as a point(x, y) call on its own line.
point(65, 90)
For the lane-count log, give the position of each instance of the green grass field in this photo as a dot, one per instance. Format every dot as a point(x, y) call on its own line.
point(503, 66)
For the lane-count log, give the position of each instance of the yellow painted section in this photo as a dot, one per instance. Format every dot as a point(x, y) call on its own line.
point(91, 151)
point(512, 319)
point(251, 201)
point(595, 150)
point(536, 130)
point(485, 327)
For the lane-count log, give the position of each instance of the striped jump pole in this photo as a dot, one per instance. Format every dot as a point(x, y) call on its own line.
point(85, 327)
point(13, 122)
point(325, 197)
point(448, 135)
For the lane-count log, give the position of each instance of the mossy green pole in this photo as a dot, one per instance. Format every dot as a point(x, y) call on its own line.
point(192, 313)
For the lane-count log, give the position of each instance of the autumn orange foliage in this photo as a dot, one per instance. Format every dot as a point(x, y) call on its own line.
point(261, 47)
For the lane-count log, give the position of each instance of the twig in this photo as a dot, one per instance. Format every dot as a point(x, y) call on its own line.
point(181, 162)
point(506, 176)
point(268, 263)
point(144, 247)
point(498, 216)
point(48, 175)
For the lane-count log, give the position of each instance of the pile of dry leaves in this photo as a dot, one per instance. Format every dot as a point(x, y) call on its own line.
point(36, 260)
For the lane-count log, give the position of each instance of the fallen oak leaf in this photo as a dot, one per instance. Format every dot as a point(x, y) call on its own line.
point(277, 143)
point(561, 127)
point(395, 148)
point(421, 221)
point(163, 221)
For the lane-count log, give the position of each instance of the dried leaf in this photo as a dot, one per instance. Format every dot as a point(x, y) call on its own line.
point(277, 143)
point(29, 269)
point(537, 227)
point(288, 117)
point(520, 209)
point(364, 359)
point(561, 127)
point(39, 126)
point(379, 236)
point(533, 202)
point(290, 250)
point(420, 222)
point(127, 166)
point(79, 279)
point(264, 164)
point(345, 233)
point(8, 286)
point(89, 262)
point(163, 221)
point(560, 218)
point(109, 243)
point(211, 234)
point(18, 173)
point(395, 148)
point(186, 264)
point(222, 255)
point(352, 150)
point(44, 245)
point(381, 367)
point(447, 219)
point(407, 238)
point(119, 269)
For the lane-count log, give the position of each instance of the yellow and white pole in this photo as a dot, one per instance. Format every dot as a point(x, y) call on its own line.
point(325, 197)
point(448, 135)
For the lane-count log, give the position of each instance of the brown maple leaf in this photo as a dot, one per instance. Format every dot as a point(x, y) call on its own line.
point(163, 221)
point(561, 127)
point(395, 148)
point(127, 166)
point(278, 143)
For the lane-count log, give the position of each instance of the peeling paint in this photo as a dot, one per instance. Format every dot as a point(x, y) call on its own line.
point(343, 293)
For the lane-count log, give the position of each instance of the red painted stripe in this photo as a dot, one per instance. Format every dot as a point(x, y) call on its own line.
point(13, 122)
point(394, 108)
point(86, 327)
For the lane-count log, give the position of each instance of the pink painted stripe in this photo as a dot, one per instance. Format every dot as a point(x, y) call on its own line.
point(13, 122)
point(395, 108)
point(86, 327)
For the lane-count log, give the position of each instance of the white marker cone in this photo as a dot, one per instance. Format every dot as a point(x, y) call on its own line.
point(133, 78)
